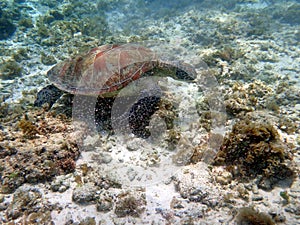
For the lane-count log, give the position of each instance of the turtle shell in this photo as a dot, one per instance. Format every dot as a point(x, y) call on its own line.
point(103, 70)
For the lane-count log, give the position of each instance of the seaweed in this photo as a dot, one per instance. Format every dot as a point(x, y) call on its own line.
point(10, 69)
point(254, 148)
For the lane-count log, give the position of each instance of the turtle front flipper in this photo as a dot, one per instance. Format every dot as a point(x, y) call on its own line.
point(48, 94)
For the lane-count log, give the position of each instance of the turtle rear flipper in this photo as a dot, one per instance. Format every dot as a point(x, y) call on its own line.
point(48, 94)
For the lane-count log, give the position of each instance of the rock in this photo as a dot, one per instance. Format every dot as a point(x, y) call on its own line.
point(1, 198)
point(194, 185)
point(257, 198)
point(293, 209)
point(3, 206)
point(102, 158)
point(84, 194)
point(255, 189)
point(88, 221)
point(105, 202)
point(135, 144)
point(224, 177)
point(130, 204)
point(60, 184)
point(7, 28)
point(176, 203)
point(24, 198)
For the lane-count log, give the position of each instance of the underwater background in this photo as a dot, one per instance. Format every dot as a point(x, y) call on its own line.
point(236, 160)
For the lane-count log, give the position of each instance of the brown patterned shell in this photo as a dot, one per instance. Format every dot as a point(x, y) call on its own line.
point(108, 68)
point(103, 69)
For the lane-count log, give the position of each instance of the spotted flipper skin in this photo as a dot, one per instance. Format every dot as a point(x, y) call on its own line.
point(48, 94)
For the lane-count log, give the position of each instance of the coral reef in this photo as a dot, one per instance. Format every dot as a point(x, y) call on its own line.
point(243, 98)
point(289, 15)
point(38, 147)
point(253, 149)
point(251, 49)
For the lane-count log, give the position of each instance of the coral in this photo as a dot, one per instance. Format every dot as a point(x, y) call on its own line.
point(42, 29)
point(35, 149)
point(52, 15)
point(288, 125)
point(247, 215)
point(47, 59)
point(94, 26)
point(28, 128)
point(67, 164)
point(243, 98)
point(227, 53)
point(172, 138)
point(20, 54)
point(252, 149)
point(26, 22)
point(259, 23)
point(21, 198)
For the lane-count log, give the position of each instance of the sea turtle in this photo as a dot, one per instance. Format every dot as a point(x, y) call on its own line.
point(106, 69)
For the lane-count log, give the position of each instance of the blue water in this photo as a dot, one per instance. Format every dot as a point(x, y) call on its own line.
point(47, 27)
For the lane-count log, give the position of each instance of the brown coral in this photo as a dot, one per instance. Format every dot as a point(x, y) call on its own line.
point(253, 149)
